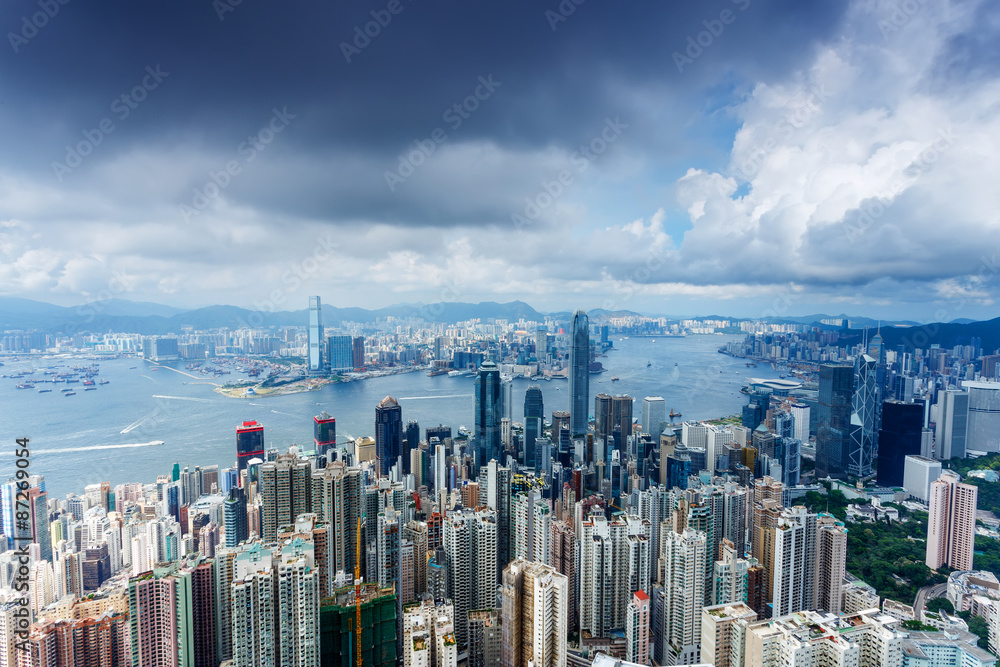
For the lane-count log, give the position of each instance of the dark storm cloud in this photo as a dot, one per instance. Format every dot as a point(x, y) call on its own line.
point(223, 74)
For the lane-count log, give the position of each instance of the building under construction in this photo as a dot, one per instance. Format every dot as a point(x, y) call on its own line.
point(378, 628)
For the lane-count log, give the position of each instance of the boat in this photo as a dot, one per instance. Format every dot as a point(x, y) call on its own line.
point(674, 415)
point(103, 381)
point(25, 385)
point(649, 363)
point(90, 389)
point(70, 393)
point(44, 391)
point(454, 374)
point(132, 368)
point(89, 383)
point(614, 379)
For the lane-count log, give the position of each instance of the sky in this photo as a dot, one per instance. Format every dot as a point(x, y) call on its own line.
point(735, 157)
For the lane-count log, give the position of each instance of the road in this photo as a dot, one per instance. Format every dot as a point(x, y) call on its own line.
point(927, 593)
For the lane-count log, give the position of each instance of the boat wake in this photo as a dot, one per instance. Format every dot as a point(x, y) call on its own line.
point(67, 450)
point(184, 398)
point(427, 398)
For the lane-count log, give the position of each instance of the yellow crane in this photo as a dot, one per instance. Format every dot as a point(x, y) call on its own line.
point(357, 591)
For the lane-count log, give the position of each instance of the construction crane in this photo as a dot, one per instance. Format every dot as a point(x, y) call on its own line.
point(357, 591)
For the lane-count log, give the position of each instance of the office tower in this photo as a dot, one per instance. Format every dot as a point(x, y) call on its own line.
point(579, 373)
point(388, 434)
point(983, 433)
point(315, 364)
point(831, 562)
point(792, 566)
point(621, 417)
point(801, 414)
point(730, 577)
point(755, 411)
point(485, 640)
point(716, 440)
point(470, 542)
point(285, 491)
point(562, 557)
point(340, 353)
point(252, 609)
point(249, 443)
point(603, 424)
point(440, 471)
point(441, 432)
point(541, 344)
point(833, 424)
point(952, 424)
point(359, 352)
point(951, 526)
point(411, 441)
point(864, 418)
point(654, 415)
point(694, 434)
point(723, 632)
point(560, 420)
point(918, 473)
point(902, 427)
point(534, 625)
point(488, 415)
point(684, 558)
point(534, 414)
point(637, 619)
point(324, 434)
point(507, 397)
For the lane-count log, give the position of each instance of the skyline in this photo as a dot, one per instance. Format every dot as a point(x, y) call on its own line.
point(715, 158)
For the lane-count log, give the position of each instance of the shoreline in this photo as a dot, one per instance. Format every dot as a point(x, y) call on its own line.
point(304, 385)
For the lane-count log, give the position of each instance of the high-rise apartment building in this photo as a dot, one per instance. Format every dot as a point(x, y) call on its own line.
point(534, 608)
point(637, 619)
point(285, 492)
point(723, 633)
point(951, 526)
point(831, 563)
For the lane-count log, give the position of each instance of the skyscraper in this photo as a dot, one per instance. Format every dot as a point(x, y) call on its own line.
point(358, 352)
point(488, 415)
point(902, 427)
point(836, 386)
point(285, 492)
point(235, 517)
point(864, 418)
point(953, 419)
point(541, 343)
point(388, 434)
point(534, 413)
point(831, 562)
point(249, 443)
point(654, 415)
point(534, 627)
point(340, 352)
point(324, 434)
point(316, 339)
point(579, 373)
point(637, 619)
point(951, 526)
point(983, 433)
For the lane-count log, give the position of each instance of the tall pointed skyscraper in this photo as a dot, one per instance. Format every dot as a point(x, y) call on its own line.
point(579, 373)
point(316, 339)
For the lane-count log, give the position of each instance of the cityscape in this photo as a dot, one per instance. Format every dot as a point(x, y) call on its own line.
point(542, 333)
point(584, 527)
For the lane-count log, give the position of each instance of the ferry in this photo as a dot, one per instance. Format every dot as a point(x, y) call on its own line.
point(89, 383)
point(90, 389)
point(25, 385)
point(44, 391)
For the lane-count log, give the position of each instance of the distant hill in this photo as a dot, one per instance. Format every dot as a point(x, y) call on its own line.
point(153, 319)
point(945, 334)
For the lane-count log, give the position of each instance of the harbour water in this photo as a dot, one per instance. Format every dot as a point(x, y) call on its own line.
point(107, 434)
